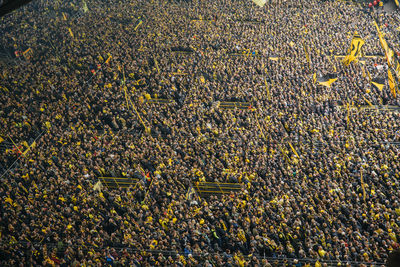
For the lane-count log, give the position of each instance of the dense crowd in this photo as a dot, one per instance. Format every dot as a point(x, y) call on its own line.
point(319, 175)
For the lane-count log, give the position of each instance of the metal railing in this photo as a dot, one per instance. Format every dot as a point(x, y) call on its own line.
point(201, 257)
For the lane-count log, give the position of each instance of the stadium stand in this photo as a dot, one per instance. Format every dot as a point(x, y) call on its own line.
point(199, 133)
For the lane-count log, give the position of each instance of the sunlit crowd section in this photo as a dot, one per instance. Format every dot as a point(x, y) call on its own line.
point(172, 94)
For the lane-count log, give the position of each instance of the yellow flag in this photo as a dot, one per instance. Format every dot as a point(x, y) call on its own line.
point(388, 51)
point(390, 57)
point(392, 83)
point(267, 89)
point(327, 80)
point(1, 139)
point(27, 53)
point(356, 45)
point(108, 59)
point(378, 83)
point(306, 52)
point(137, 26)
point(369, 102)
point(348, 59)
point(354, 51)
point(85, 7)
point(398, 70)
point(369, 75)
point(25, 144)
point(294, 151)
point(70, 32)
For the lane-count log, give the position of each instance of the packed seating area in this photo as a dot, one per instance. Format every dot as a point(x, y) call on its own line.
point(196, 133)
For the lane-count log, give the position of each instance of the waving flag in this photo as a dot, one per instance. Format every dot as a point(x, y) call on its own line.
point(378, 83)
point(327, 80)
point(259, 3)
point(355, 49)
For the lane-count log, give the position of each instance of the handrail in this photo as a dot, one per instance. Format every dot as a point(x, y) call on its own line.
point(120, 178)
point(217, 187)
point(224, 187)
point(214, 183)
point(120, 183)
point(116, 182)
point(197, 185)
point(234, 102)
point(207, 191)
point(196, 255)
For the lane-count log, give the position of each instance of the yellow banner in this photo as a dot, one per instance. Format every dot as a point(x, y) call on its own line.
point(354, 51)
point(356, 45)
point(388, 52)
point(348, 59)
point(392, 84)
point(397, 71)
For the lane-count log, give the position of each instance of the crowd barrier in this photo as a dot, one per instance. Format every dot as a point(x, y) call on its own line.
point(118, 182)
point(205, 189)
point(274, 261)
